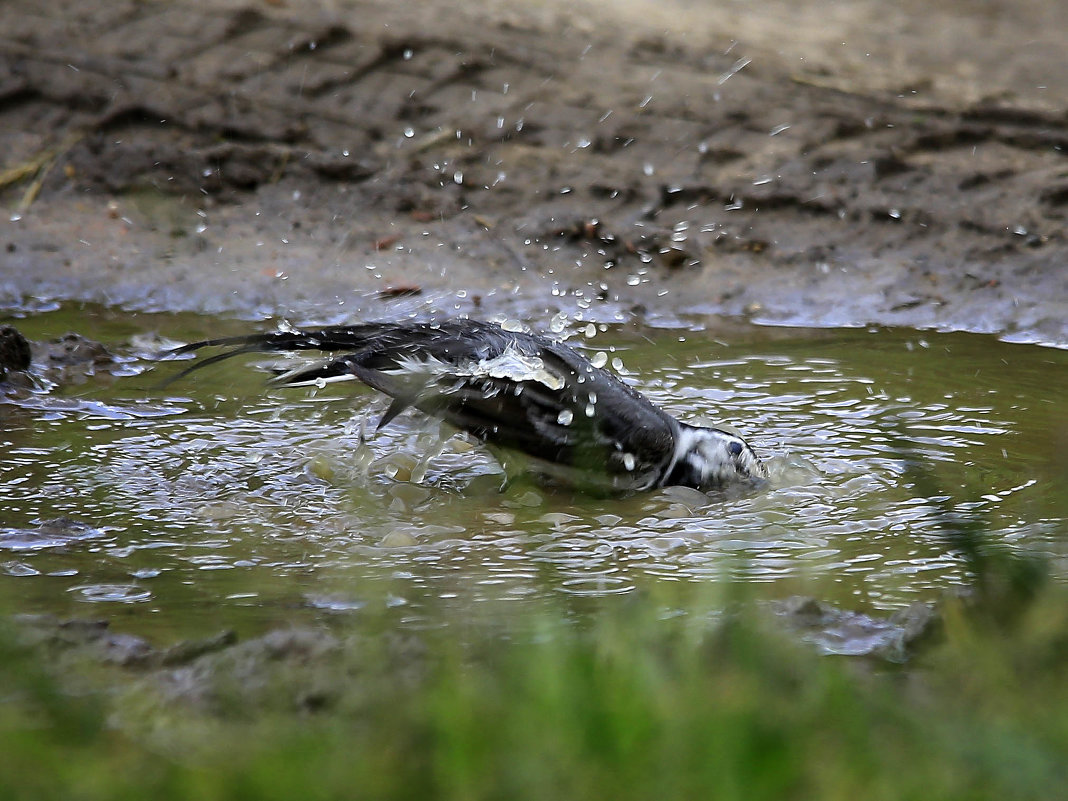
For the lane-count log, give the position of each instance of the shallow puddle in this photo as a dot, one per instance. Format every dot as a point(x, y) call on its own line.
point(217, 501)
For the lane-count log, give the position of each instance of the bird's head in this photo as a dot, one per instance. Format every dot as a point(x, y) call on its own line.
point(707, 458)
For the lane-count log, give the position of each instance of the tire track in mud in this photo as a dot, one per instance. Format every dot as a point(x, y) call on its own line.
point(600, 151)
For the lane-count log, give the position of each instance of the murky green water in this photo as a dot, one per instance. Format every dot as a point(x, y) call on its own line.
point(217, 502)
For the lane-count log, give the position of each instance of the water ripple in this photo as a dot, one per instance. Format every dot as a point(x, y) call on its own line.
point(245, 490)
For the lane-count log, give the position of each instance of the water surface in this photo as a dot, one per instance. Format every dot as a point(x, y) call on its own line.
point(219, 501)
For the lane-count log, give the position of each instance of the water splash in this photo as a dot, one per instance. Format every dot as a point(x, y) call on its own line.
point(232, 494)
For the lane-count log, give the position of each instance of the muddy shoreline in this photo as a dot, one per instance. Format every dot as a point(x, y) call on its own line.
point(344, 161)
point(786, 163)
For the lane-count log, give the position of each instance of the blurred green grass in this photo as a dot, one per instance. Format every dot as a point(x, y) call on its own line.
point(625, 705)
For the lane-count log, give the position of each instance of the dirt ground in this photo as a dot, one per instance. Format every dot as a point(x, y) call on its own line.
point(794, 161)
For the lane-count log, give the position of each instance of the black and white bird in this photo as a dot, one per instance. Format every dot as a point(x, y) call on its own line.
point(519, 394)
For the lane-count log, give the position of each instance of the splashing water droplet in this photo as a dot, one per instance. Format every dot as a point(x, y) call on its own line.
point(565, 417)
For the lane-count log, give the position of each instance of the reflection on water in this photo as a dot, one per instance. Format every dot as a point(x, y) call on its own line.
point(216, 495)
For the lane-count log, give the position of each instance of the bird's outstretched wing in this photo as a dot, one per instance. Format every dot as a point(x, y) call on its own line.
point(513, 391)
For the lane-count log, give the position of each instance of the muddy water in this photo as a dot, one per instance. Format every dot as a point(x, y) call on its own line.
point(215, 501)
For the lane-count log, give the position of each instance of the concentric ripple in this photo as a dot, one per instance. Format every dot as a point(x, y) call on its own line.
point(229, 495)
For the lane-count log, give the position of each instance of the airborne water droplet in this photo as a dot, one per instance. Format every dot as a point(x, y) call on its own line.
point(565, 417)
point(600, 359)
point(628, 461)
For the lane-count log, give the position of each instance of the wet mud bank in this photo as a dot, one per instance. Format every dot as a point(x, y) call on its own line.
point(346, 161)
point(311, 670)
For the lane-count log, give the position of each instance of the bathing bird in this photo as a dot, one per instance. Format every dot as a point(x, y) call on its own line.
point(520, 394)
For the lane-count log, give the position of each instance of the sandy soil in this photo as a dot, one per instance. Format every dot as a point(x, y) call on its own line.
point(794, 161)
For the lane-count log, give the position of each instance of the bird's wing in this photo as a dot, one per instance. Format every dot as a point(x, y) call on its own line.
point(515, 391)
point(333, 339)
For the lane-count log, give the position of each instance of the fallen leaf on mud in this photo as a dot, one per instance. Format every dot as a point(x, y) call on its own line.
point(675, 258)
point(400, 291)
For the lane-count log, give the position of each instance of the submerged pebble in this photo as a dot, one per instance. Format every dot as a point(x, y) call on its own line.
point(398, 539)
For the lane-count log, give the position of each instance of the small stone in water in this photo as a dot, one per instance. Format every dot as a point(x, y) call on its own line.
point(529, 499)
point(397, 539)
point(410, 494)
point(321, 468)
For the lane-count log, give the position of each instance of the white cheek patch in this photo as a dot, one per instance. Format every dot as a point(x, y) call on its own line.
point(685, 445)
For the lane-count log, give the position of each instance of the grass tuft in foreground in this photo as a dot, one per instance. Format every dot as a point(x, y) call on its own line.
point(629, 705)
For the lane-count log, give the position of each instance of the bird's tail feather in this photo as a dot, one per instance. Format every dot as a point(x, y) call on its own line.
point(348, 338)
